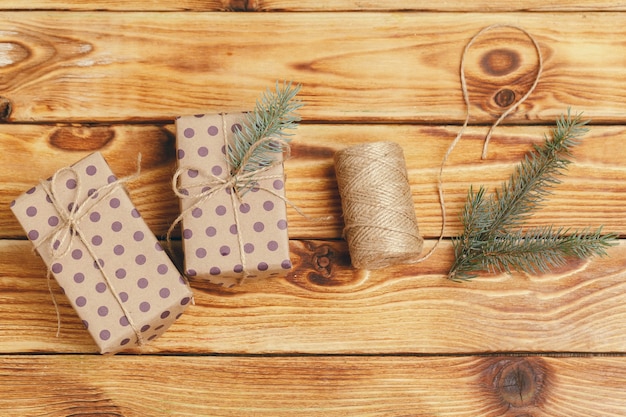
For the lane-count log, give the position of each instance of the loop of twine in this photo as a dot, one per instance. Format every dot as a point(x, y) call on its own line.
point(380, 223)
point(60, 238)
point(467, 117)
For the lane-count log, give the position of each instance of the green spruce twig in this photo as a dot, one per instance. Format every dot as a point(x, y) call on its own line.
point(492, 239)
point(263, 132)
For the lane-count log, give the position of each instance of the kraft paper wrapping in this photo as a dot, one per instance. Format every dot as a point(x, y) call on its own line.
point(110, 266)
point(227, 238)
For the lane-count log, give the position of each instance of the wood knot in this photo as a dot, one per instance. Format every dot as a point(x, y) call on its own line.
point(81, 138)
point(5, 109)
point(499, 62)
point(504, 97)
point(242, 6)
point(323, 265)
point(519, 382)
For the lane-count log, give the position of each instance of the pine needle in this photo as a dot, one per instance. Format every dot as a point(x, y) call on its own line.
point(263, 132)
point(492, 239)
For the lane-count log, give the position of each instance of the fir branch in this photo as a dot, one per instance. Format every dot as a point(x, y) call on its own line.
point(535, 176)
point(263, 132)
point(537, 250)
point(487, 243)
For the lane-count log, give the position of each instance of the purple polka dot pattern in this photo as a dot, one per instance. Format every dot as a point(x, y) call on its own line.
point(197, 212)
point(244, 208)
point(140, 259)
point(211, 231)
point(143, 278)
point(91, 170)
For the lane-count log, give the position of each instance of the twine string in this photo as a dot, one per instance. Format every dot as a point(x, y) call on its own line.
point(466, 100)
point(61, 237)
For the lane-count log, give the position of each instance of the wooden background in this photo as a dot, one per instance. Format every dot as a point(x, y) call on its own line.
point(325, 341)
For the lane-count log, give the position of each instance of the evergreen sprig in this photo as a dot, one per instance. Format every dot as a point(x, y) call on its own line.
point(263, 131)
point(492, 238)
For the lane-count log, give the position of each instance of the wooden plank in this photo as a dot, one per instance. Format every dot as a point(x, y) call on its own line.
point(313, 5)
point(593, 192)
point(312, 386)
point(327, 307)
point(77, 66)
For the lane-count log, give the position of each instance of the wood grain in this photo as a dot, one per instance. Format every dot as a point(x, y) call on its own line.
point(592, 193)
point(353, 66)
point(327, 307)
point(327, 340)
point(313, 5)
point(58, 386)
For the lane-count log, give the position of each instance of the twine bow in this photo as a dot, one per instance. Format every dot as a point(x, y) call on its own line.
point(60, 239)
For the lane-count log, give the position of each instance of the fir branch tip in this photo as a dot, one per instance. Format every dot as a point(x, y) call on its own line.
point(263, 133)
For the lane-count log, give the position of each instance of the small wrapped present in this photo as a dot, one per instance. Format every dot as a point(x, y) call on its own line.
point(233, 226)
point(109, 264)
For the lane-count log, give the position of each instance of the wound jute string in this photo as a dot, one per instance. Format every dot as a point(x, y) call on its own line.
point(60, 240)
point(380, 222)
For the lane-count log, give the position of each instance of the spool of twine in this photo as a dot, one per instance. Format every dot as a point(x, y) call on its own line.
point(380, 223)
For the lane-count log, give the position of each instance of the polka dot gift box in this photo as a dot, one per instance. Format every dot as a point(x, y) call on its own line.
point(109, 264)
point(226, 236)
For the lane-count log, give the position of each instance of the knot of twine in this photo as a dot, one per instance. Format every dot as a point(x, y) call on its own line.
point(380, 223)
point(240, 181)
point(60, 239)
